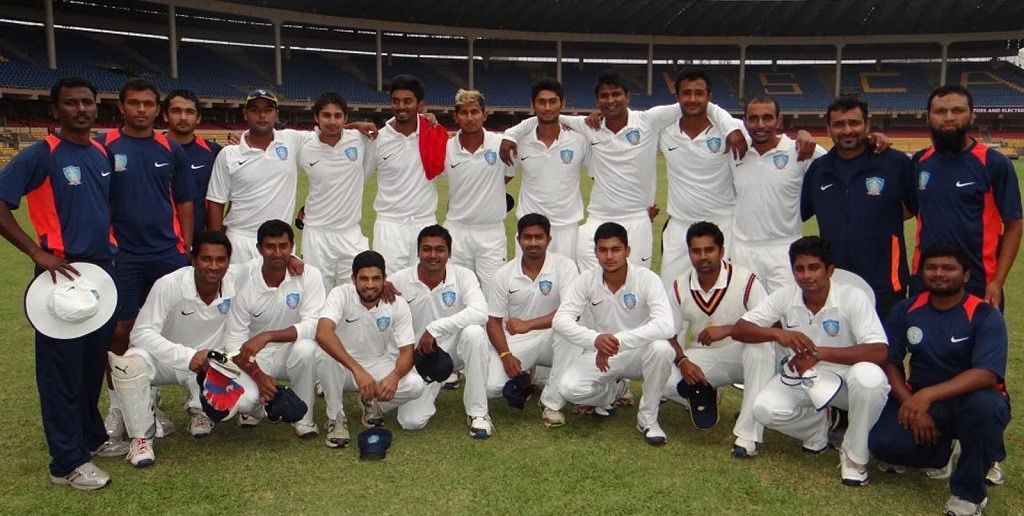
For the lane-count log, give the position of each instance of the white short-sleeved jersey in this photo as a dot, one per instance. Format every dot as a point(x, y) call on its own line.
point(336, 176)
point(736, 291)
point(848, 317)
point(455, 303)
point(551, 176)
point(636, 314)
point(476, 182)
point(369, 334)
point(513, 294)
point(768, 193)
point(297, 302)
point(403, 191)
point(259, 184)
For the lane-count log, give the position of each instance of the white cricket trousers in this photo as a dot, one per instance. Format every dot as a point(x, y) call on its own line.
point(140, 408)
point(332, 251)
point(770, 261)
point(243, 246)
point(395, 240)
point(283, 361)
point(481, 249)
point(336, 379)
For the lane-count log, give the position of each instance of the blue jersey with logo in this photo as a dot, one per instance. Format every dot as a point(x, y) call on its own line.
point(200, 154)
point(859, 205)
point(151, 175)
point(943, 344)
point(965, 198)
point(67, 186)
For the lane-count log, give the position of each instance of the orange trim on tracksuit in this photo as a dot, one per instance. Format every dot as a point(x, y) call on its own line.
point(42, 212)
point(894, 263)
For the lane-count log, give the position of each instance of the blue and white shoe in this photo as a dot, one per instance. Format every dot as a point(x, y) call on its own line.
point(653, 434)
point(743, 448)
point(480, 427)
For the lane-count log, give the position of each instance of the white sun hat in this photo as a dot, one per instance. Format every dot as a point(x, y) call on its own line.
point(69, 309)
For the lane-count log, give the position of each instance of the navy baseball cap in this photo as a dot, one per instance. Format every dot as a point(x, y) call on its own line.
point(374, 443)
point(703, 403)
point(517, 390)
point(286, 406)
point(260, 93)
point(434, 367)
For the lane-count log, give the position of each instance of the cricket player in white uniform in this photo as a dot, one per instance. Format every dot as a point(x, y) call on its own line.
point(271, 327)
point(258, 177)
point(448, 310)
point(476, 190)
point(706, 303)
point(522, 301)
point(406, 200)
point(768, 181)
point(832, 327)
point(336, 161)
point(181, 321)
point(632, 321)
point(622, 162)
point(551, 159)
point(365, 346)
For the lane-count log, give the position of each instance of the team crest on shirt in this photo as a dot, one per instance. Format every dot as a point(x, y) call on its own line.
point(120, 162)
point(566, 155)
point(351, 153)
point(448, 297)
point(491, 157)
point(629, 300)
point(874, 185)
point(831, 327)
point(715, 144)
point(922, 179)
point(224, 306)
point(73, 174)
point(282, 152)
point(780, 160)
point(914, 335)
point(292, 300)
point(383, 322)
point(633, 136)
point(545, 287)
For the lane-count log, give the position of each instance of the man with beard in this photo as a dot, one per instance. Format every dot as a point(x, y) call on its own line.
point(766, 218)
point(968, 195)
point(957, 345)
point(258, 177)
point(182, 116)
point(861, 199)
point(366, 345)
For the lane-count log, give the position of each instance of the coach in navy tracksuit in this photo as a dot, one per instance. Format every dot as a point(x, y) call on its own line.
point(861, 198)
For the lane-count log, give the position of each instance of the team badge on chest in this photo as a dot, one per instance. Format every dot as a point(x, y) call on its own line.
point(351, 153)
point(914, 335)
point(491, 157)
point(922, 179)
point(224, 306)
point(292, 300)
point(831, 327)
point(629, 300)
point(874, 185)
point(73, 174)
point(545, 287)
point(282, 152)
point(715, 144)
point(780, 160)
point(566, 155)
point(383, 322)
point(448, 297)
point(120, 162)
point(633, 136)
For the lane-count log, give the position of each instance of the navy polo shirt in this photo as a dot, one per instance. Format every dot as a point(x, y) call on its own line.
point(859, 205)
point(200, 154)
point(67, 186)
point(964, 199)
point(151, 175)
point(943, 344)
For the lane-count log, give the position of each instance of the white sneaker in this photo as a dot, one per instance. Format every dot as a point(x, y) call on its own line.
point(947, 470)
point(552, 418)
point(885, 467)
point(164, 426)
point(744, 448)
point(86, 477)
point(995, 477)
point(112, 449)
point(653, 434)
point(200, 426)
point(956, 506)
point(854, 475)
point(373, 415)
point(480, 427)
point(114, 423)
point(304, 430)
point(140, 453)
point(452, 382)
point(337, 433)
point(251, 420)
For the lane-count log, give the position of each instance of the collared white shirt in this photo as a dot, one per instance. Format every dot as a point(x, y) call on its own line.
point(476, 182)
point(699, 178)
point(513, 294)
point(694, 308)
point(297, 302)
point(636, 314)
point(174, 322)
point(259, 184)
point(403, 191)
point(768, 193)
point(368, 334)
point(336, 176)
point(551, 176)
point(455, 303)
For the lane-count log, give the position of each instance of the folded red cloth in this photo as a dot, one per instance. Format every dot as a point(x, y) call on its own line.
point(433, 143)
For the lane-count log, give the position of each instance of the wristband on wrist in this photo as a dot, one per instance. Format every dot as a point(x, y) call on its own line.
point(504, 354)
point(680, 360)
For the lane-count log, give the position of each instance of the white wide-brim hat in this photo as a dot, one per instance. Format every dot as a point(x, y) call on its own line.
point(821, 386)
point(70, 309)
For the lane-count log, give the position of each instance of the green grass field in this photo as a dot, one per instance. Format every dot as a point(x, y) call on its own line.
point(585, 467)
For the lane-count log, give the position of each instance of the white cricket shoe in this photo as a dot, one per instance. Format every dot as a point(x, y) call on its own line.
point(452, 382)
point(111, 449)
point(304, 430)
point(995, 477)
point(337, 433)
point(86, 477)
point(164, 426)
point(956, 506)
point(947, 470)
point(251, 420)
point(653, 434)
point(853, 474)
point(480, 427)
point(140, 453)
point(744, 448)
point(114, 423)
point(200, 426)
point(373, 415)
point(890, 468)
point(552, 418)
